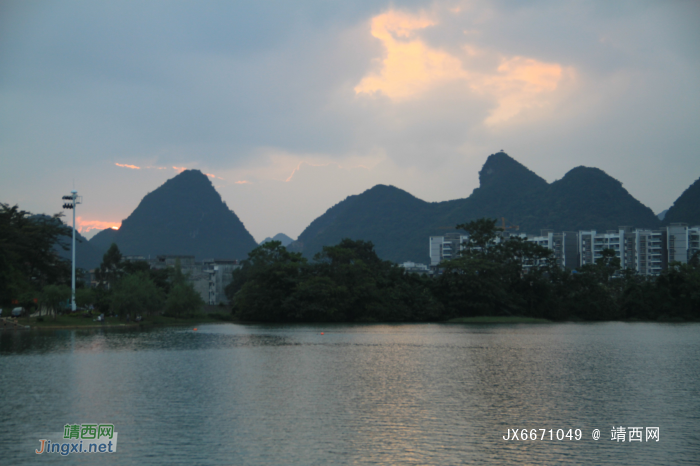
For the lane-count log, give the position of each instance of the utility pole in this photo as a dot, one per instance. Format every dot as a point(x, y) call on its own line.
point(75, 199)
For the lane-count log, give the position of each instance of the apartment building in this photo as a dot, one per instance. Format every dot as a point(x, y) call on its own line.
point(446, 247)
point(682, 242)
point(651, 253)
point(623, 241)
point(648, 252)
point(564, 245)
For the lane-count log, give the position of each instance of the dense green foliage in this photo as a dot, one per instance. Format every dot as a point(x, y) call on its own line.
point(184, 216)
point(491, 277)
point(183, 300)
point(55, 298)
point(136, 294)
point(132, 288)
point(28, 259)
point(345, 283)
point(398, 224)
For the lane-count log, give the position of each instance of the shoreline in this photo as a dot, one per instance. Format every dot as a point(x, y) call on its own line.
point(61, 324)
point(175, 322)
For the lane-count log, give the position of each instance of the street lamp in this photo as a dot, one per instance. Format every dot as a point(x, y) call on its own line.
point(74, 200)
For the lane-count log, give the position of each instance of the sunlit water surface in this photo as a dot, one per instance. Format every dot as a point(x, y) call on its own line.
point(356, 394)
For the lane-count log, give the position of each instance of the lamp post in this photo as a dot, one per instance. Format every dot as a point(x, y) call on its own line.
point(75, 199)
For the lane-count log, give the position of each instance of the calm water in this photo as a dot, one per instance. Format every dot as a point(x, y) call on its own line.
point(359, 394)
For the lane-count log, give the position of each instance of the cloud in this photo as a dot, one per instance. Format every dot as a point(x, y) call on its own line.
point(133, 167)
point(411, 67)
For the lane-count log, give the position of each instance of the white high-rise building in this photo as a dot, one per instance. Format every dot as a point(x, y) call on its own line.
point(682, 242)
point(564, 245)
point(591, 245)
point(651, 254)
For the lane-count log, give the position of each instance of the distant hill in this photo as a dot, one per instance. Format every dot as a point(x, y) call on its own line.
point(184, 216)
point(686, 209)
point(103, 240)
point(661, 215)
point(85, 255)
point(399, 224)
point(394, 220)
point(281, 237)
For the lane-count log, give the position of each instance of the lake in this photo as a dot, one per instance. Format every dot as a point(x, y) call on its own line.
point(438, 394)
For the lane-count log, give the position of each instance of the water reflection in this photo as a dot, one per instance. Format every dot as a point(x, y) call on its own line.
point(381, 394)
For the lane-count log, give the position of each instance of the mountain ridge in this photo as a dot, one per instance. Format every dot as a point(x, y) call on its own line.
point(686, 209)
point(400, 224)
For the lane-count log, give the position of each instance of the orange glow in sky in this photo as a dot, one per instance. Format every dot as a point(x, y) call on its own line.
point(133, 167)
point(410, 67)
point(83, 225)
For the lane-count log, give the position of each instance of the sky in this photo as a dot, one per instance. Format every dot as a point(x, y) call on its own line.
point(290, 107)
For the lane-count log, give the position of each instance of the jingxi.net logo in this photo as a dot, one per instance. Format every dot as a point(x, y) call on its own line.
point(81, 438)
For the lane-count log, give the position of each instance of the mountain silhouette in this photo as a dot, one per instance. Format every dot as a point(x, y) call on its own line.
point(281, 237)
point(686, 209)
point(399, 224)
point(184, 216)
point(103, 240)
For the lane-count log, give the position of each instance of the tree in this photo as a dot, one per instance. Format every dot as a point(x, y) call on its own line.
point(267, 278)
point(85, 297)
point(55, 298)
point(494, 275)
point(111, 269)
point(483, 233)
point(136, 294)
point(183, 299)
point(28, 260)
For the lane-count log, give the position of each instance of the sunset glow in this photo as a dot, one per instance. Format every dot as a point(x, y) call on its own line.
point(83, 225)
point(133, 167)
point(410, 67)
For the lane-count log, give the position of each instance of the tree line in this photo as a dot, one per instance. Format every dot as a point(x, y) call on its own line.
point(348, 282)
point(491, 276)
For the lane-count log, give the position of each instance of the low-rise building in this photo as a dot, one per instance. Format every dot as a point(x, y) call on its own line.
point(220, 274)
point(413, 267)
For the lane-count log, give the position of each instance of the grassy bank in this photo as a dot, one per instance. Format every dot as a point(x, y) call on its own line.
point(498, 320)
point(78, 321)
